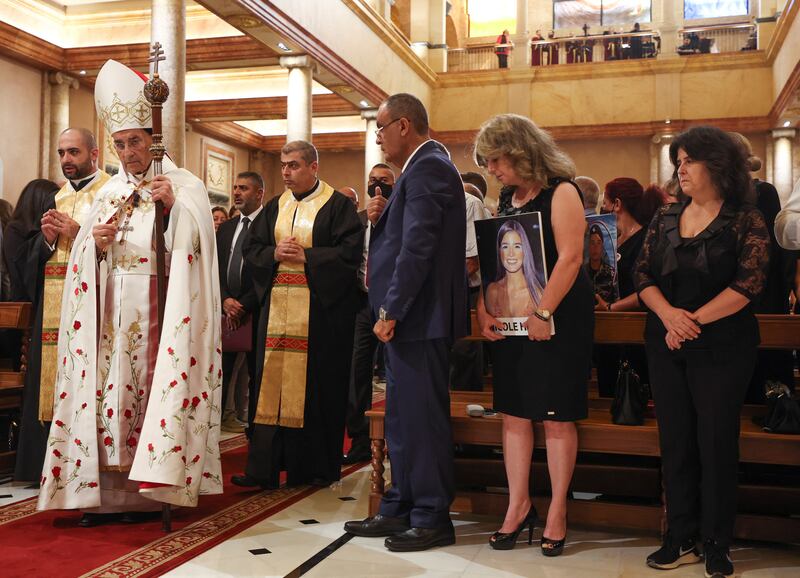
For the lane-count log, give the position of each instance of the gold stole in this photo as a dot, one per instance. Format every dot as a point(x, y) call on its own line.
point(75, 204)
point(282, 397)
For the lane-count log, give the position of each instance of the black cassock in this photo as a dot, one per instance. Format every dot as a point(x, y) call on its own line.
point(312, 453)
point(26, 255)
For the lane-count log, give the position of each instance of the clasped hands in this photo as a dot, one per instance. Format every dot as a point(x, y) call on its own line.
point(55, 223)
point(681, 325)
point(235, 313)
point(290, 250)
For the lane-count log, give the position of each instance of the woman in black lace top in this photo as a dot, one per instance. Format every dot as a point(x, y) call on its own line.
point(540, 377)
point(702, 265)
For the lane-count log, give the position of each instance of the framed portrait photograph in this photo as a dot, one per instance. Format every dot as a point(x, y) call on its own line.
point(513, 269)
point(600, 255)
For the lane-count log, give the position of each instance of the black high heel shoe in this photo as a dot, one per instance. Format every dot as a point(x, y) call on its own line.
point(507, 541)
point(553, 548)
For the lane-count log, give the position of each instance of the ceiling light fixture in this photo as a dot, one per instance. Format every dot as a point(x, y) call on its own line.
point(363, 104)
point(787, 124)
point(668, 121)
point(283, 47)
point(82, 73)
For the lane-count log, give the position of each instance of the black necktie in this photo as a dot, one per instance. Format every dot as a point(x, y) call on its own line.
point(235, 266)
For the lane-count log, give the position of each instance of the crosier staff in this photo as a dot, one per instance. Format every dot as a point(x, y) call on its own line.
point(156, 92)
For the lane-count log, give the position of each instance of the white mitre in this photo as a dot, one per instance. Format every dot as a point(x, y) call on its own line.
point(119, 100)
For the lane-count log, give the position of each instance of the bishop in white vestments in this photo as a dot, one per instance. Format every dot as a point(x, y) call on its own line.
point(137, 407)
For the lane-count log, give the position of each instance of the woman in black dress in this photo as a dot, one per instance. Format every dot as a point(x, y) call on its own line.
point(702, 267)
point(541, 377)
point(634, 207)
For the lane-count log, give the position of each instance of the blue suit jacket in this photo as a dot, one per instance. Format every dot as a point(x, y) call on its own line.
point(417, 266)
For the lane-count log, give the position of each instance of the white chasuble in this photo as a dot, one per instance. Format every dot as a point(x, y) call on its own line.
point(129, 400)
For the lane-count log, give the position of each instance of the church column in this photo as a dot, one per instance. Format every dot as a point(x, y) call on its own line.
point(420, 26)
point(298, 100)
point(437, 41)
point(782, 161)
point(372, 150)
point(60, 84)
point(521, 55)
point(670, 21)
point(168, 26)
point(661, 169)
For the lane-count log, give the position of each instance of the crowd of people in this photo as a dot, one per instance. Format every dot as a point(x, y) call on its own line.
point(290, 299)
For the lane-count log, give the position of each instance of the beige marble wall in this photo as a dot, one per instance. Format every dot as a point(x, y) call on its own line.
point(786, 59)
point(82, 112)
point(20, 117)
point(194, 153)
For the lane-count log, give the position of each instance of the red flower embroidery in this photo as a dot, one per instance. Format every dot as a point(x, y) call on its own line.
point(149, 447)
point(184, 377)
point(129, 387)
point(196, 459)
point(141, 392)
point(189, 481)
point(176, 449)
point(108, 441)
point(192, 362)
point(170, 350)
point(206, 474)
point(173, 383)
point(92, 484)
point(59, 423)
point(101, 430)
point(110, 412)
point(57, 453)
point(79, 351)
point(185, 403)
point(143, 259)
point(205, 395)
point(56, 472)
point(83, 374)
point(77, 463)
point(110, 386)
point(75, 268)
point(186, 320)
point(190, 258)
point(83, 406)
point(211, 368)
point(63, 395)
point(128, 414)
point(195, 401)
point(138, 430)
point(78, 442)
point(131, 441)
point(98, 393)
point(163, 423)
point(84, 287)
point(77, 291)
point(76, 325)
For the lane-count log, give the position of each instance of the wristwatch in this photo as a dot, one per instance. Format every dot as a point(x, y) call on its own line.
point(383, 315)
point(543, 314)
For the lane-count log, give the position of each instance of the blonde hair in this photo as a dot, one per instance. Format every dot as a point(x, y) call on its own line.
point(531, 150)
point(753, 162)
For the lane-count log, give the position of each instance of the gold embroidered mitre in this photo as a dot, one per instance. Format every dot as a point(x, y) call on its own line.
point(119, 100)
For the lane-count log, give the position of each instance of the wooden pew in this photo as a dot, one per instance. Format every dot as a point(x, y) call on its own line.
point(605, 447)
point(13, 316)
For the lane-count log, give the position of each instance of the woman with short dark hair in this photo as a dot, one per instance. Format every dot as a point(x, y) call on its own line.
point(702, 266)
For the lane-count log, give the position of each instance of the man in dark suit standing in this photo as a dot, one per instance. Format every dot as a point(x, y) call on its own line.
point(417, 291)
point(237, 305)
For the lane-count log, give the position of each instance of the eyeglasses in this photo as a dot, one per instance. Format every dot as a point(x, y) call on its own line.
point(378, 130)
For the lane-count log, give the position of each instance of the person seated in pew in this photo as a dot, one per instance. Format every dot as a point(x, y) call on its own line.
point(634, 207)
point(536, 176)
point(702, 266)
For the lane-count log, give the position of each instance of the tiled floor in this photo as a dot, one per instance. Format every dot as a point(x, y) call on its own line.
point(290, 543)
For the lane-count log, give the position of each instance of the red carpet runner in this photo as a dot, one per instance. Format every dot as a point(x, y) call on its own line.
point(51, 544)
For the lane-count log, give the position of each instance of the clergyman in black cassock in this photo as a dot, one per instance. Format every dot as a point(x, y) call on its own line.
point(300, 386)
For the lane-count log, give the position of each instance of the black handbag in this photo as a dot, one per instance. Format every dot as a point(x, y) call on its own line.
point(630, 397)
point(783, 410)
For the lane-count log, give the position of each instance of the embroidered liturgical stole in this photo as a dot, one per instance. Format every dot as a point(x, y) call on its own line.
point(77, 205)
point(281, 400)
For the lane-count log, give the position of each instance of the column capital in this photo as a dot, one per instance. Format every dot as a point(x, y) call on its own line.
point(369, 114)
point(662, 138)
point(296, 61)
point(58, 78)
point(784, 133)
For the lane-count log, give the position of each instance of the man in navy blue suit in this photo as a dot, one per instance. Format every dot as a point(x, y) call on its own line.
point(418, 294)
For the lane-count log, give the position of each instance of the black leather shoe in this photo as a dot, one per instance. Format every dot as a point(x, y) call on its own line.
point(92, 520)
point(417, 539)
point(139, 517)
point(356, 455)
point(245, 481)
point(377, 526)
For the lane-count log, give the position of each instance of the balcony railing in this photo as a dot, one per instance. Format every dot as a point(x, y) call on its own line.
point(714, 39)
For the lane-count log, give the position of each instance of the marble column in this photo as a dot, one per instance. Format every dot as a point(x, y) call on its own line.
point(671, 18)
point(60, 84)
point(437, 39)
point(782, 161)
point(298, 99)
point(661, 168)
point(168, 26)
point(521, 55)
point(372, 150)
point(420, 27)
